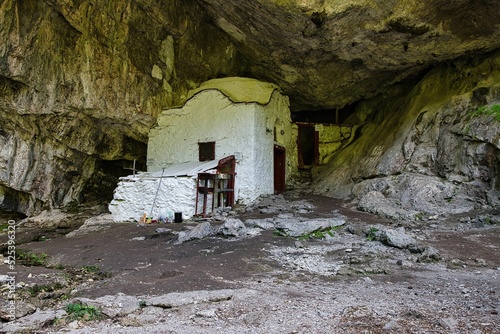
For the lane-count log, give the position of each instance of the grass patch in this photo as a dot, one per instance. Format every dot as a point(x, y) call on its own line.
point(79, 311)
point(31, 259)
point(95, 271)
point(493, 110)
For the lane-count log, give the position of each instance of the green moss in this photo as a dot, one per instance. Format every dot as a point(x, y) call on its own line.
point(3, 227)
point(73, 207)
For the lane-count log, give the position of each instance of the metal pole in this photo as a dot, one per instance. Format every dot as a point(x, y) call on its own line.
point(157, 190)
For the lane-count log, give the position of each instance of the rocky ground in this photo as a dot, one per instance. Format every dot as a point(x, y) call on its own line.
point(294, 264)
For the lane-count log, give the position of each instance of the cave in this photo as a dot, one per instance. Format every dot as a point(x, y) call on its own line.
point(332, 166)
point(381, 88)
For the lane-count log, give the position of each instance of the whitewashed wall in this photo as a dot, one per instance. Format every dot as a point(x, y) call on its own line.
point(285, 135)
point(243, 129)
point(134, 196)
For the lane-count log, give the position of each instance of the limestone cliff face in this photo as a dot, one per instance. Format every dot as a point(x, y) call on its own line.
point(428, 150)
point(82, 81)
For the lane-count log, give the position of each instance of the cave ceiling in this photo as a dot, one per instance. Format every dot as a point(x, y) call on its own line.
point(326, 54)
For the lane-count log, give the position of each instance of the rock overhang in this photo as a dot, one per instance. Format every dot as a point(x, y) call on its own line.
point(326, 55)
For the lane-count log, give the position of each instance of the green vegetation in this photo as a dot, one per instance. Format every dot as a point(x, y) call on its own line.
point(42, 238)
point(31, 259)
point(372, 234)
point(318, 234)
point(39, 288)
point(91, 269)
point(79, 311)
point(142, 304)
point(493, 110)
point(280, 233)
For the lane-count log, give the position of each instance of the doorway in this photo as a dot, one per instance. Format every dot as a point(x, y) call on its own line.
point(308, 139)
point(279, 169)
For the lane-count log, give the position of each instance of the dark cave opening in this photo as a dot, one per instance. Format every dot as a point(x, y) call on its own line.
point(325, 116)
point(100, 187)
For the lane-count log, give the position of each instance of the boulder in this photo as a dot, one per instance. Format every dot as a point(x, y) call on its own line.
point(93, 224)
point(49, 219)
point(113, 305)
point(296, 227)
point(200, 231)
point(264, 224)
point(176, 299)
point(232, 227)
point(32, 322)
point(396, 238)
point(375, 202)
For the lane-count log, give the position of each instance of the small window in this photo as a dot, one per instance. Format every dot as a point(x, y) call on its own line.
point(206, 151)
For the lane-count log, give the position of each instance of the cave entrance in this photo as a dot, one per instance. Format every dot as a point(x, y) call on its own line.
point(308, 145)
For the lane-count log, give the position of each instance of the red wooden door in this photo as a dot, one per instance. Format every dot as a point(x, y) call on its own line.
point(279, 169)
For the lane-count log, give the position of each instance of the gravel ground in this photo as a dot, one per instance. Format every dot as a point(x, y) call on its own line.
point(439, 301)
point(347, 282)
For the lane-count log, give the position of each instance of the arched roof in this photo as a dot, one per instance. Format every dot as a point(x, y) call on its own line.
point(239, 90)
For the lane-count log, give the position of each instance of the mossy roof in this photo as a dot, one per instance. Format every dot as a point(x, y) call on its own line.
point(239, 90)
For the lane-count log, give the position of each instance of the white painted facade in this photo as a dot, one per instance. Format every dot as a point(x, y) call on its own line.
point(244, 117)
point(145, 193)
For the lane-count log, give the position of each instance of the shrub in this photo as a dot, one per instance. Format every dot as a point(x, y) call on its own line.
point(79, 311)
